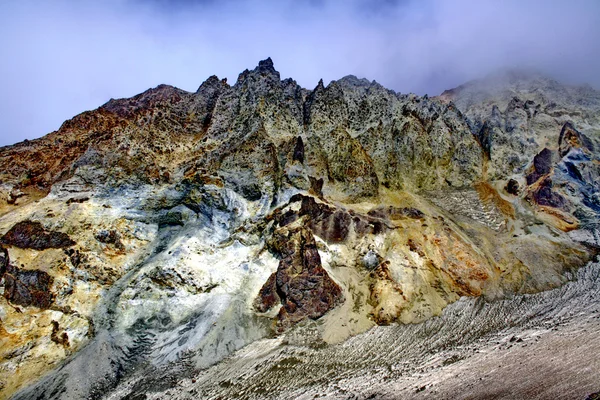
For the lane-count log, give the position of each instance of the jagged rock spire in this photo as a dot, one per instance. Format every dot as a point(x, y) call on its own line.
point(265, 66)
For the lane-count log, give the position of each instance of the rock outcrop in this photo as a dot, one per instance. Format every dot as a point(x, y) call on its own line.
point(32, 235)
point(300, 284)
point(516, 113)
point(173, 228)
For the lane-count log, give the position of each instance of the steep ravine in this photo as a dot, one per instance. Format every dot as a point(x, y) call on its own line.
point(253, 233)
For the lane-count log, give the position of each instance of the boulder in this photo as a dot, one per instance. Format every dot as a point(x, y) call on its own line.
point(32, 235)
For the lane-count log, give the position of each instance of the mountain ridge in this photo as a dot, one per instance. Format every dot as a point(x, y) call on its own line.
point(200, 222)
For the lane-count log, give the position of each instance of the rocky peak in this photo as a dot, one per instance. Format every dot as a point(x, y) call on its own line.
point(320, 86)
point(352, 80)
point(212, 83)
point(160, 96)
point(517, 113)
point(265, 70)
point(266, 66)
point(329, 210)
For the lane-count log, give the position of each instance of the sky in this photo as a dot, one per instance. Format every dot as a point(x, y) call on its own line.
point(59, 58)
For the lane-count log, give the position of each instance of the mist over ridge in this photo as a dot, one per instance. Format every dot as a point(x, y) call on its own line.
point(64, 57)
point(212, 228)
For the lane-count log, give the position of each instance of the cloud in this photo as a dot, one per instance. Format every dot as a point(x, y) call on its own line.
point(62, 57)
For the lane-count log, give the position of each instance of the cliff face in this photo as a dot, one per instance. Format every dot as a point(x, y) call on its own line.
point(178, 226)
point(516, 113)
point(540, 133)
point(354, 134)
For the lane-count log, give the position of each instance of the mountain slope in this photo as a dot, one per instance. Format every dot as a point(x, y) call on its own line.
point(173, 228)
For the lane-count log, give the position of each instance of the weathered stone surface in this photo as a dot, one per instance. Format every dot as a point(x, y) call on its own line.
point(512, 187)
point(352, 134)
point(516, 113)
point(57, 337)
point(386, 296)
point(545, 196)
point(299, 150)
point(268, 296)
point(334, 224)
point(568, 184)
point(253, 168)
point(300, 284)
point(542, 165)
point(28, 287)
point(77, 200)
point(393, 213)
point(571, 138)
point(4, 260)
point(372, 207)
point(32, 235)
point(110, 237)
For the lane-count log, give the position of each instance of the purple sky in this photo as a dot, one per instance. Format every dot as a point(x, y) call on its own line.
point(62, 57)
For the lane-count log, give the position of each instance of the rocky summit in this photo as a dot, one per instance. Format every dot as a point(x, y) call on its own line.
point(262, 240)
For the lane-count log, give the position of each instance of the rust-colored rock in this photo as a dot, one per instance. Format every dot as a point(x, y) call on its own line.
point(327, 222)
point(268, 296)
point(32, 235)
point(334, 224)
point(28, 287)
point(300, 285)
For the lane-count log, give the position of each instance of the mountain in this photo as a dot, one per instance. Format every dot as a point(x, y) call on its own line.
point(520, 116)
point(174, 239)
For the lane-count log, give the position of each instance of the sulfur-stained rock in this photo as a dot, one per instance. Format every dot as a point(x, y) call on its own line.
point(571, 138)
point(344, 206)
point(386, 296)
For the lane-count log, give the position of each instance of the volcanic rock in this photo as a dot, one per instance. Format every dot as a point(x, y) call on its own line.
point(28, 287)
point(570, 138)
point(542, 165)
point(158, 235)
point(512, 187)
point(32, 235)
point(300, 284)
